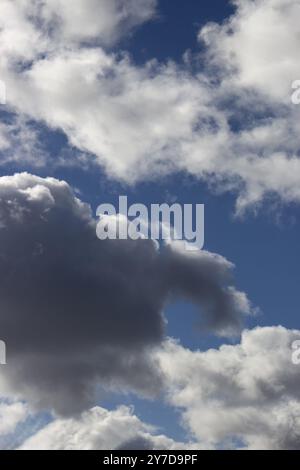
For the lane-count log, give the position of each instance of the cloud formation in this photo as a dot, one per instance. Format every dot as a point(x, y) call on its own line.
point(232, 125)
point(245, 395)
point(79, 315)
point(239, 396)
point(84, 312)
point(30, 28)
point(258, 46)
point(11, 414)
point(100, 429)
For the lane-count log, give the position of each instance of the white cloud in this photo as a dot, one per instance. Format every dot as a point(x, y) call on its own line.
point(114, 110)
point(103, 20)
point(20, 39)
point(241, 134)
point(259, 45)
point(99, 429)
point(33, 27)
point(246, 393)
point(11, 414)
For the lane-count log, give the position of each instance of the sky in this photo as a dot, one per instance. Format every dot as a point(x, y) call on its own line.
point(149, 347)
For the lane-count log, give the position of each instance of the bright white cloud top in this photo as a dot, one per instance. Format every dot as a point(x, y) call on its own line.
point(247, 393)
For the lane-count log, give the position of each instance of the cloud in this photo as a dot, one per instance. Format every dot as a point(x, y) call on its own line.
point(11, 414)
point(117, 112)
point(239, 396)
point(93, 20)
point(100, 429)
point(89, 315)
point(21, 143)
point(30, 28)
point(258, 45)
point(233, 124)
point(84, 312)
point(245, 395)
point(253, 57)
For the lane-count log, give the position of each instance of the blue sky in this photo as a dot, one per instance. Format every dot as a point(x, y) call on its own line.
point(262, 242)
point(174, 31)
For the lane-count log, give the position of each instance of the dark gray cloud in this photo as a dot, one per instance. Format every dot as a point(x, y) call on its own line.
point(137, 443)
point(76, 311)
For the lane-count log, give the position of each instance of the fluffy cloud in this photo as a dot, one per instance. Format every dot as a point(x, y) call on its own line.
point(11, 414)
point(113, 110)
point(254, 57)
point(259, 45)
point(240, 396)
point(246, 394)
point(33, 27)
point(232, 124)
point(93, 20)
point(99, 429)
point(84, 311)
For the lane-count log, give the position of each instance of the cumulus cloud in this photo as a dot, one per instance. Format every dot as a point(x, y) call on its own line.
point(11, 414)
point(239, 396)
point(117, 112)
point(33, 27)
point(93, 20)
point(233, 123)
point(258, 45)
point(100, 429)
point(253, 55)
point(85, 314)
point(245, 395)
point(84, 311)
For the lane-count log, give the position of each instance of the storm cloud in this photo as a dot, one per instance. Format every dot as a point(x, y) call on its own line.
point(79, 314)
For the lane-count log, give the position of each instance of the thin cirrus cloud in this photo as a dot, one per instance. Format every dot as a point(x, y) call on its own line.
point(85, 312)
point(232, 124)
